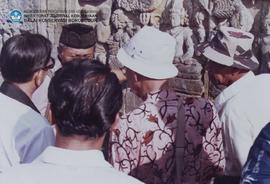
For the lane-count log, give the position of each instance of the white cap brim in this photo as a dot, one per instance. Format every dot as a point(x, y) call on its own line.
point(139, 66)
point(222, 59)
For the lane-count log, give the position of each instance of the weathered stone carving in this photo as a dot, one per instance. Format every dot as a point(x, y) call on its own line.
point(184, 44)
point(145, 12)
point(139, 5)
point(200, 30)
point(262, 45)
point(242, 18)
point(102, 9)
point(221, 12)
point(124, 31)
point(103, 30)
point(104, 15)
point(118, 21)
point(223, 9)
point(188, 82)
point(189, 79)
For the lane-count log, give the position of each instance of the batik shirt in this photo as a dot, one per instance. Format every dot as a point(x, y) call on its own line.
point(143, 143)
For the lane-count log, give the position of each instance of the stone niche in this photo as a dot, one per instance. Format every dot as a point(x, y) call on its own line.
point(191, 22)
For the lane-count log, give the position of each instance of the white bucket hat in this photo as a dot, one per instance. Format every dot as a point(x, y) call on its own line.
point(150, 53)
point(231, 47)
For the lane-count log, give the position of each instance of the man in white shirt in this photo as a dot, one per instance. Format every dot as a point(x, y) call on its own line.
point(85, 99)
point(244, 105)
point(24, 133)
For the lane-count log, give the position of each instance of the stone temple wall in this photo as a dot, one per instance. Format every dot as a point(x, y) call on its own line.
point(191, 22)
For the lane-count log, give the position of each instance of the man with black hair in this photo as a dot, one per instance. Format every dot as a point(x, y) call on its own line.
point(77, 42)
point(85, 99)
point(24, 134)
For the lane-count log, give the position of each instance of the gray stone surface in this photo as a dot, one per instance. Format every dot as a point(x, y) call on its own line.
point(127, 17)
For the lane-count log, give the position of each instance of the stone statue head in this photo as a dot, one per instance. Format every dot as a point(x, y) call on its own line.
point(104, 14)
point(266, 24)
point(119, 19)
point(178, 17)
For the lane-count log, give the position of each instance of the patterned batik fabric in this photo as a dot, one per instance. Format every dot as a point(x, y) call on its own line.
point(143, 142)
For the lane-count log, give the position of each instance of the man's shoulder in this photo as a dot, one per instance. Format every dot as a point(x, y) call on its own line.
point(37, 172)
point(8, 102)
point(14, 111)
point(257, 91)
point(18, 174)
point(33, 120)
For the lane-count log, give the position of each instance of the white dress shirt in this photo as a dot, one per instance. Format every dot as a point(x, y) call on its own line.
point(244, 109)
point(24, 133)
point(63, 166)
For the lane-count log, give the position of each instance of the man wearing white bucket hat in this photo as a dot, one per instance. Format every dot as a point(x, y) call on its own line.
point(244, 105)
point(143, 143)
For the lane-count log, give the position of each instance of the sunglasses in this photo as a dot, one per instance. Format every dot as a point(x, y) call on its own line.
point(49, 66)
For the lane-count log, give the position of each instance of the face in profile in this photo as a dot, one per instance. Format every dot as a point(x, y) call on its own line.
point(68, 54)
point(218, 74)
point(134, 82)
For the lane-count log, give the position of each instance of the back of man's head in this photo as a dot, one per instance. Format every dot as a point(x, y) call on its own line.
point(23, 55)
point(85, 98)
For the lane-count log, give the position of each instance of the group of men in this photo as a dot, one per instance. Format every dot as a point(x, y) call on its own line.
point(167, 139)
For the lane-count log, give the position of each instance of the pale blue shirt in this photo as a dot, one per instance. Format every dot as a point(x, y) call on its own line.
point(63, 166)
point(24, 133)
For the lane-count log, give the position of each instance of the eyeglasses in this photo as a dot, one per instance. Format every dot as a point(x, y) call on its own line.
point(50, 65)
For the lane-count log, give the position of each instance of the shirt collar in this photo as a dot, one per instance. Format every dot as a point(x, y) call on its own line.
point(16, 93)
point(233, 89)
point(60, 156)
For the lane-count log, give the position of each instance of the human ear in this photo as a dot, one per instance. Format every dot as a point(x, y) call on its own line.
point(116, 121)
point(50, 115)
point(38, 78)
point(135, 77)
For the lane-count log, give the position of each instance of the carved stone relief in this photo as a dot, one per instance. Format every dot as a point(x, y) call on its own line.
point(262, 43)
point(191, 22)
point(103, 29)
point(139, 5)
point(124, 31)
point(184, 44)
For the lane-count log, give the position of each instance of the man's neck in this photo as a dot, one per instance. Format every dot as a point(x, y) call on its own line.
point(77, 142)
point(153, 86)
point(26, 88)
